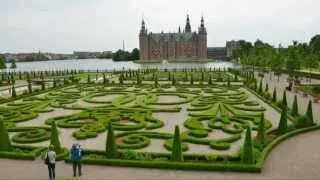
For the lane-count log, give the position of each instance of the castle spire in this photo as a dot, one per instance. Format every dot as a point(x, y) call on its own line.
point(202, 29)
point(188, 27)
point(143, 28)
point(202, 22)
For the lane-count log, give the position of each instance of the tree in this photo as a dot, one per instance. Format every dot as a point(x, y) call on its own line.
point(135, 54)
point(176, 146)
point(283, 126)
point(111, 146)
point(121, 78)
point(13, 64)
point(260, 87)
point(247, 153)
point(274, 95)
point(261, 132)
point(2, 62)
point(121, 55)
point(13, 91)
point(104, 78)
point(89, 79)
point(54, 83)
point(284, 99)
point(309, 114)
point(5, 144)
point(315, 44)
point(267, 88)
point(191, 79)
point(43, 85)
point(173, 79)
point(55, 141)
point(293, 63)
point(294, 111)
point(210, 80)
point(29, 86)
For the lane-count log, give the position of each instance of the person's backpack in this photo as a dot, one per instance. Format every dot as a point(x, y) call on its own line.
point(46, 159)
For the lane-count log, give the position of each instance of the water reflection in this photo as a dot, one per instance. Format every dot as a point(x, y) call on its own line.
point(102, 64)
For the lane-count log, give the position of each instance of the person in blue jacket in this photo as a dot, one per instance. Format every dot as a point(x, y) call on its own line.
point(75, 156)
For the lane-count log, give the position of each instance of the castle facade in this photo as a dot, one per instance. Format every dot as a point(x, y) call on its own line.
point(179, 45)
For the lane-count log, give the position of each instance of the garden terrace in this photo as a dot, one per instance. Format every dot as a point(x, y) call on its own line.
point(213, 109)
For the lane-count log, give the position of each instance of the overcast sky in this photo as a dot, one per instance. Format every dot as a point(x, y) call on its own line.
point(62, 26)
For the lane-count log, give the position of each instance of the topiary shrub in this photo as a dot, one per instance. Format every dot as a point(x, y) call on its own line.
point(309, 114)
point(316, 89)
point(302, 121)
point(55, 141)
point(89, 79)
point(283, 126)
point(294, 110)
point(247, 153)
point(260, 87)
point(13, 93)
point(261, 132)
point(5, 144)
point(176, 149)
point(267, 88)
point(111, 146)
point(284, 99)
point(274, 95)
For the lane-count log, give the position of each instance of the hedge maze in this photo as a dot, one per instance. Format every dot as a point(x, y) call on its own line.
point(230, 128)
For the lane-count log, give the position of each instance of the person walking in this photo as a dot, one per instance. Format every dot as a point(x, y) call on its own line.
point(75, 156)
point(50, 161)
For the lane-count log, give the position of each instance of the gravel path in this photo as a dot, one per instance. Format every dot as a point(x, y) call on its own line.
point(282, 83)
point(293, 159)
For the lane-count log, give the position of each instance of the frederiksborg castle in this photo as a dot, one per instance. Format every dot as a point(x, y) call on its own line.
point(183, 44)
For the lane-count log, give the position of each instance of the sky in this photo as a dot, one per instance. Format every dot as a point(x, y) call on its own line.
point(62, 26)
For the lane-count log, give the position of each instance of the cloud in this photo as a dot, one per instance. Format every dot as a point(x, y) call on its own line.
point(67, 25)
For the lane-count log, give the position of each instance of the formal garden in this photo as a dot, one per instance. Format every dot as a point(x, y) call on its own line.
point(192, 119)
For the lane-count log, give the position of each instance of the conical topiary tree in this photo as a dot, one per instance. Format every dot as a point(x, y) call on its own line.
point(309, 114)
point(267, 88)
point(260, 87)
point(173, 80)
point(29, 86)
point(43, 85)
point(89, 79)
point(274, 95)
point(176, 146)
point(111, 146)
point(191, 79)
point(261, 132)
point(5, 144)
point(228, 82)
point(247, 153)
point(55, 141)
point(13, 91)
point(255, 84)
point(283, 126)
point(104, 78)
point(284, 99)
point(210, 80)
point(54, 83)
point(294, 110)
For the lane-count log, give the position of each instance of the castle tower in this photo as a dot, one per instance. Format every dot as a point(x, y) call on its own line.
point(143, 41)
point(202, 51)
point(187, 29)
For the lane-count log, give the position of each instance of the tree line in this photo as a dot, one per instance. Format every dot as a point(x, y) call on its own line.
point(298, 55)
point(122, 55)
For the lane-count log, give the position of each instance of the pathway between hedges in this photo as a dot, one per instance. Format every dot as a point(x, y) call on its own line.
point(296, 158)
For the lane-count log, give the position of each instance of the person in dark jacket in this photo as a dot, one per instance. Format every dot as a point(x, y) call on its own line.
point(75, 156)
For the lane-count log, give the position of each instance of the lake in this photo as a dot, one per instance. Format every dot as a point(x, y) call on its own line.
point(108, 64)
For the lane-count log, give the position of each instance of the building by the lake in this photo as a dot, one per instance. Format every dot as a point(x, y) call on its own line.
point(183, 44)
